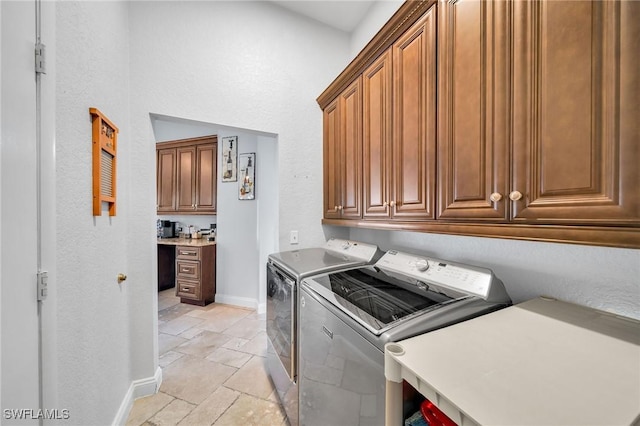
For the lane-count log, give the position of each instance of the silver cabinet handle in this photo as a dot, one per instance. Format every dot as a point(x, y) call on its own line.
point(385, 204)
point(515, 195)
point(393, 203)
point(495, 197)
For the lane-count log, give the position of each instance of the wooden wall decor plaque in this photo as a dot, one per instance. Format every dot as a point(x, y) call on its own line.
point(105, 142)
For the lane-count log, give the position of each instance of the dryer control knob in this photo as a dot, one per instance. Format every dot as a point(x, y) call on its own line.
point(422, 265)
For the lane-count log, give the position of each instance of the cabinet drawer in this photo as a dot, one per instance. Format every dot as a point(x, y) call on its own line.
point(188, 289)
point(188, 269)
point(191, 253)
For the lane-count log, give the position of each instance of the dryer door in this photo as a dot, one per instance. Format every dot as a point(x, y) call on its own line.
point(281, 317)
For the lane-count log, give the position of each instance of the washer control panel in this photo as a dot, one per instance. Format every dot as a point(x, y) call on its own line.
point(445, 275)
point(351, 248)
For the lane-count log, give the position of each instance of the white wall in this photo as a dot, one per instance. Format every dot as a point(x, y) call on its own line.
point(268, 211)
point(237, 279)
point(249, 65)
point(377, 15)
point(106, 336)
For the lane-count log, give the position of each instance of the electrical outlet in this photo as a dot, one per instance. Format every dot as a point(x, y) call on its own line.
point(293, 237)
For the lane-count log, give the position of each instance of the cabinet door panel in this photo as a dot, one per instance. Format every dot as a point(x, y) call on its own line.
point(414, 77)
point(473, 107)
point(166, 176)
point(206, 177)
point(186, 179)
point(575, 160)
point(351, 150)
point(376, 109)
point(331, 132)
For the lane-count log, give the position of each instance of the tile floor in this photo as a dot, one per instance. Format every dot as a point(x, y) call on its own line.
point(213, 368)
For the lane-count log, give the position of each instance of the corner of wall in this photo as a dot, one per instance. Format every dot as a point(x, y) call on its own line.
point(138, 389)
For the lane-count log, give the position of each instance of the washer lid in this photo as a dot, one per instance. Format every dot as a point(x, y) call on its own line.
point(336, 254)
point(374, 299)
point(306, 262)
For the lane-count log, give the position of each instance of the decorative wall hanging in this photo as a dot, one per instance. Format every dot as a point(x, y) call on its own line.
point(229, 159)
point(247, 181)
point(105, 142)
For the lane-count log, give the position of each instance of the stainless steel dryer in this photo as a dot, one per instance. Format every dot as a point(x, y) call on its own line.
point(285, 270)
point(346, 317)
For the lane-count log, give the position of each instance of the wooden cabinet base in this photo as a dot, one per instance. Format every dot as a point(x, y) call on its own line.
point(196, 274)
point(196, 302)
point(611, 236)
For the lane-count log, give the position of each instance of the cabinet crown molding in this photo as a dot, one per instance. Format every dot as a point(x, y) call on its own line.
point(405, 17)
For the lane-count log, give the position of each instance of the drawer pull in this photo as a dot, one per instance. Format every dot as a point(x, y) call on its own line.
point(191, 253)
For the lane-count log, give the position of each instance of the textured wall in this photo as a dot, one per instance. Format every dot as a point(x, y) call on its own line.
point(377, 15)
point(103, 330)
point(249, 65)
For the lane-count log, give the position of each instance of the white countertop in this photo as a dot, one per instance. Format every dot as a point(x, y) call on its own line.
point(541, 362)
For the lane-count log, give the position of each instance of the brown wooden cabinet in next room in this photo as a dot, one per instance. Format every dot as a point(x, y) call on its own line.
point(196, 274)
point(187, 176)
point(532, 133)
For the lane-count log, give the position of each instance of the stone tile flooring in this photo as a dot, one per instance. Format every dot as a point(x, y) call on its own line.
point(213, 368)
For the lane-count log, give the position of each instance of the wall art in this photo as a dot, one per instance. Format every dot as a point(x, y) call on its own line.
point(104, 136)
point(229, 159)
point(247, 181)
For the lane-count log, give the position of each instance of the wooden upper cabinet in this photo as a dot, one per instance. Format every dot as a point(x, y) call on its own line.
point(206, 173)
point(537, 123)
point(351, 150)
point(543, 137)
point(414, 121)
point(187, 176)
point(166, 180)
point(332, 164)
point(186, 182)
point(473, 108)
point(343, 154)
point(576, 92)
point(377, 126)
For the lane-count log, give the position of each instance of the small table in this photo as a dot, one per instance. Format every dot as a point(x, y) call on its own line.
point(540, 362)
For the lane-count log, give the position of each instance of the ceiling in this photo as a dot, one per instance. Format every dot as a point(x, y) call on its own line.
point(344, 15)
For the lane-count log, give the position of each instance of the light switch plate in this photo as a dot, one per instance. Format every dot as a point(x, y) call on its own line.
point(293, 237)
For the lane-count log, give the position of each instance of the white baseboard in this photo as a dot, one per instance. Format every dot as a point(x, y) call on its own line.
point(245, 302)
point(262, 308)
point(137, 389)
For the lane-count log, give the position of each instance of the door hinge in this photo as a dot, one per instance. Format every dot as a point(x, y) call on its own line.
point(43, 278)
point(40, 59)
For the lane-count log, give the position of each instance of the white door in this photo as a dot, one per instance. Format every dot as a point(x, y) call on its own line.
point(20, 169)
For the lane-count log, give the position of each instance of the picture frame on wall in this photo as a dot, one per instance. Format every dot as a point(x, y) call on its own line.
point(229, 159)
point(247, 181)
